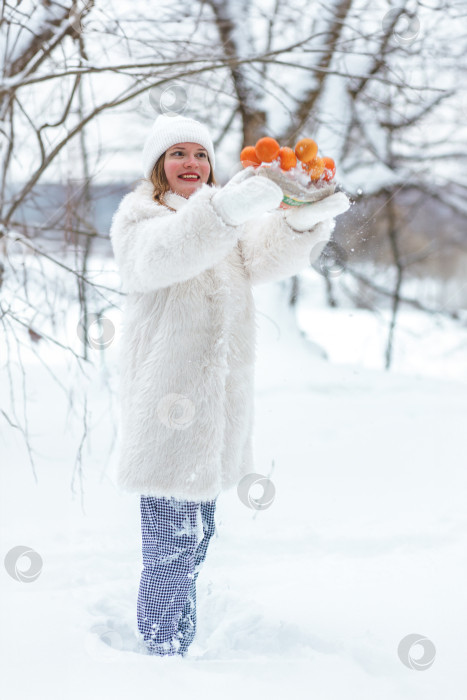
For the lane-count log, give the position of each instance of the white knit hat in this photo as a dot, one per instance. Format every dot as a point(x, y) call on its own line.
point(166, 131)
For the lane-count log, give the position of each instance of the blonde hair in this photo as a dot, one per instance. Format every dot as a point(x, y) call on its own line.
point(161, 184)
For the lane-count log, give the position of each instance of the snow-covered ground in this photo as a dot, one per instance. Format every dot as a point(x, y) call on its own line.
point(364, 543)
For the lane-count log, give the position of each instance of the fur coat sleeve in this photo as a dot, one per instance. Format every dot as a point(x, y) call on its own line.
point(156, 247)
point(272, 250)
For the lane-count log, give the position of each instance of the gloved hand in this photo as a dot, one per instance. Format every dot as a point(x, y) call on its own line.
point(245, 197)
point(303, 218)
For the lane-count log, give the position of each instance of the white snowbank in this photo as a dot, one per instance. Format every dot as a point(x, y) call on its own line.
point(363, 544)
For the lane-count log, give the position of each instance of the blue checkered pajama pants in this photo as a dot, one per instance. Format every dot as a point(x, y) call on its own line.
point(175, 537)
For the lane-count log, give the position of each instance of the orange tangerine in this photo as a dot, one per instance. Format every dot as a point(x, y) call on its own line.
point(248, 157)
point(306, 150)
point(267, 149)
point(287, 158)
point(329, 168)
point(315, 168)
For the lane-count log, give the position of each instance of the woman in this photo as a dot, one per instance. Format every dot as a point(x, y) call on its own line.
point(188, 254)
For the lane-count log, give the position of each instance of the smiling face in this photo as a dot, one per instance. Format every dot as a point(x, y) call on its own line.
point(186, 167)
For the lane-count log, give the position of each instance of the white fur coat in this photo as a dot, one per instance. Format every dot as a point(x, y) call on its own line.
point(188, 339)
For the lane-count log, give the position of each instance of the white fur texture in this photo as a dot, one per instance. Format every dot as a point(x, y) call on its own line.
point(188, 340)
point(237, 203)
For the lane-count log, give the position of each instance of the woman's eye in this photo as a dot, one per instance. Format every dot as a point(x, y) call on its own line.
point(182, 153)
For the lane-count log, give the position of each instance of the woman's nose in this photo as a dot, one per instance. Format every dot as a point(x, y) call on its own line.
point(190, 161)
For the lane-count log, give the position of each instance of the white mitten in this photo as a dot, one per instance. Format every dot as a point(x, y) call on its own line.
point(236, 203)
point(303, 218)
